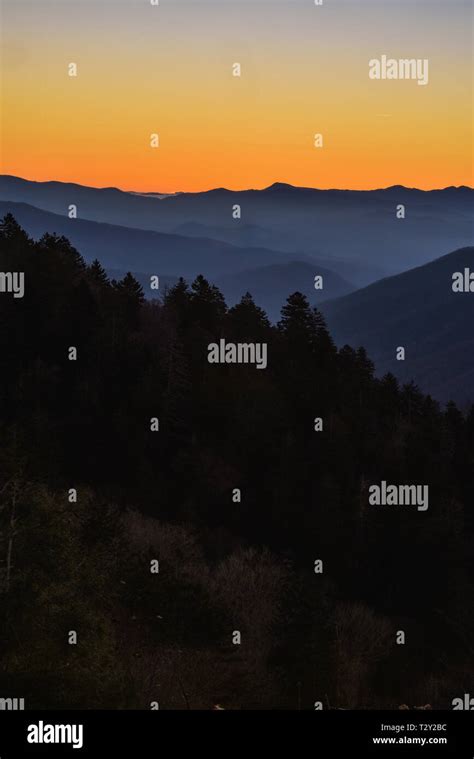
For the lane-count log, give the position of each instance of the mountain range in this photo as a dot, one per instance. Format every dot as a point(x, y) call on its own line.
point(123, 249)
point(358, 227)
point(387, 280)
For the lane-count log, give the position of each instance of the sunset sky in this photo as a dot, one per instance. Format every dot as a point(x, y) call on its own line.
point(168, 70)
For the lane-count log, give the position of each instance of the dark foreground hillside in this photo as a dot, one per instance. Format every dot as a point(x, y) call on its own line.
point(188, 523)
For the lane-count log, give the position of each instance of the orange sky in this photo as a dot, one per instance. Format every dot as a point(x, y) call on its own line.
point(168, 70)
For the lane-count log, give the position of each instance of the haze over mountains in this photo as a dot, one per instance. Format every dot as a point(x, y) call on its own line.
point(269, 285)
point(285, 237)
point(123, 249)
point(127, 248)
point(419, 311)
point(360, 227)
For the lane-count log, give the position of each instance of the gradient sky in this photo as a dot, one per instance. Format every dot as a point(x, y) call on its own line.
point(168, 69)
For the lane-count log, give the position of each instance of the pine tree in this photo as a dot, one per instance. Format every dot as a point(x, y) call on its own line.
point(10, 231)
point(296, 317)
point(97, 274)
point(61, 245)
point(178, 296)
point(208, 304)
point(246, 319)
point(177, 301)
point(131, 289)
point(324, 342)
point(305, 327)
point(131, 298)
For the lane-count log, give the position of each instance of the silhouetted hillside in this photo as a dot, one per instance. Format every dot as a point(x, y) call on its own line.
point(419, 311)
point(124, 450)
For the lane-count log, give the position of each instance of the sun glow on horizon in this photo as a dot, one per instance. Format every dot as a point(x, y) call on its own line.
point(168, 70)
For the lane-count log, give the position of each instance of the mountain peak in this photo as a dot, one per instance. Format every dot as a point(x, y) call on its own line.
point(280, 186)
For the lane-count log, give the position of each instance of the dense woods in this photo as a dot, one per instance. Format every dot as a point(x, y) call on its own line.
point(169, 495)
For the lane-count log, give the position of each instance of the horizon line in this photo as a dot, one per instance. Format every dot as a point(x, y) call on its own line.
point(226, 189)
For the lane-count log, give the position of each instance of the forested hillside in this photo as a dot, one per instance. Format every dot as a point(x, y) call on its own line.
point(219, 473)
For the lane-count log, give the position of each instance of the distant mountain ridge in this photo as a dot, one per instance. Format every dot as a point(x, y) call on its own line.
point(272, 187)
point(271, 285)
point(357, 226)
point(121, 249)
point(126, 248)
point(170, 256)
